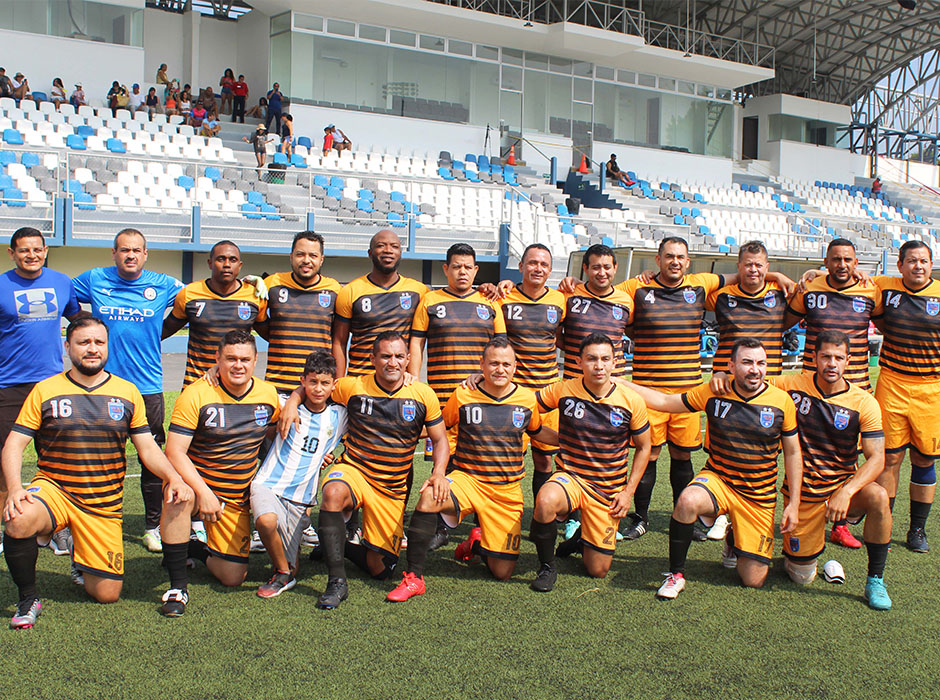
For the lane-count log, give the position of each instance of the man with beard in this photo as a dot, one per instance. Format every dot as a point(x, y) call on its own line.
point(80, 421)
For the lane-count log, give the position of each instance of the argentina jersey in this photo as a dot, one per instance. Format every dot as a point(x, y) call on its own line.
point(292, 466)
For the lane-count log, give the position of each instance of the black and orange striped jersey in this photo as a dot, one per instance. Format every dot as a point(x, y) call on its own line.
point(586, 313)
point(80, 436)
point(227, 432)
point(910, 321)
point(371, 310)
point(743, 437)
point(825, 308)
point(667, 323)
point(210, 316)
point(383, 428)
point(830, 426)
point(594, 432)
point(456, 329)
point(490, 430)
point(532, 329)
point(742, 315)
point(300, 321)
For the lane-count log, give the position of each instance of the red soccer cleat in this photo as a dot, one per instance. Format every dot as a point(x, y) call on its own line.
point(842, 535)
point(464, 551)
point(410, 585)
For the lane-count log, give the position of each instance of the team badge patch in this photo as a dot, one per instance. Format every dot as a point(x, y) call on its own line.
point(261, 415)
point(116, 409)
point(518, 417)
point(483, 312)
point(244, 311)
point(841, 419)
point(562, 480)
point(32, 489)
point(617, 312)
point(334, 475)
point(858, 305)
point(324, 299)
point(732, 303)
point(701, 479)
point(616, 418)
point(551, 313)
point(150, 294)
point(770, 301)
point(409, 410)
point(794, 544)
point(689, 295)
point(405, 301)
point(933, 307)
point(766, 417)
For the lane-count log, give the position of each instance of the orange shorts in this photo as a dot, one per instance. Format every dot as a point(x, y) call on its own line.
point(498, 508)
point(598, 528)
point(230, 536)
point(753, 523)
point(910, 414)
point(682, 430)
point(382, 515)
point(97, 540)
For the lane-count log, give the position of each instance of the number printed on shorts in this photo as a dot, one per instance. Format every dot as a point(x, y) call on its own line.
point(609, 535)
point(116, 561)
point(573, 409)
point(766, 544)
point(396, 541)
point(513, 542)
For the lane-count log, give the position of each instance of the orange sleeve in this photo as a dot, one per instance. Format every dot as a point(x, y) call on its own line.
point(420, 322)
point(499, 321)
point(179, 304)
point(535, 423)
point(344, 302)
point(139, 419)
point(870, 418)
point(640, 419)
point(712, 299)
point(697, 399)
point(429, 398)
point(548, 397)
point(186, 411)
point(30, 415)
point(343, 390)
point(451, 410)
point(789, 417)
point(796, 304)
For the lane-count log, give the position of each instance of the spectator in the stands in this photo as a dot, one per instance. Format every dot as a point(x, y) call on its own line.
point(327, 141)
point(78, 96)
point(287, 134)
point(211, 126)
point(135, 100)
point(185, 102)
point(197, 115)
point(274, 107)
point(226, 83)
point(341, 142)
point(876, 185)
point(209, 101)
point(260, 110)
point(616, 174)
point(20, 87)
point(162, 78)
point(259, 141)
point(117, 97)
point(6, 85)
point(239, 97)
point(57, 94)
point(171, 106)
point(152, 102)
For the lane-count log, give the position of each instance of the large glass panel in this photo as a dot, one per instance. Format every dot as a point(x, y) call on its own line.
point(372, 33)
point(431, 43)
point(281, 23)
point(349, 73)
point(462, 48)
point(301, 21)
point(511, 78)
point(510, 110)
point(512, 57)
point(341, 27)
point(583, 91)
point(559, 104)
point(280, 61)
point(536, 60)
point(396, 36)
point(490, 53)
point(605, 108)
point(535, 102)
point(484, 96)
point(302, 66)
point(720, 128)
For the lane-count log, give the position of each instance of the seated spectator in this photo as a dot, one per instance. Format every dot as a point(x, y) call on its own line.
point(209, 101)
point(616, 174)
point(135, 100)
point(260, 110)
point(259, 141)
point(6, 85)
point(162, 78)
point(171, 106)
point(876, 186)
point(341, 142)
point(239, 96)
point(78, 96)
point(327, 140)
point(197, 115)
point(185, 102)
point(287, 134)
point(57, 94)
point(226, 83)
point(117, 97)
point(20, 87)
point(152, 102)
point(210, 127)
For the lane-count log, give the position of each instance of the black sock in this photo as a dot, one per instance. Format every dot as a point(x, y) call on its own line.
point(420, 532)
point(539, 478)
point(680, 474)
point(837, 523)
point(332, 532)
point(680, 539)
point(543, 535)
point(877, 556)
point(353, 522)
point(644, 492)
point(441, 526)
point(356, 553)
point(198, 550)
point(21, 555)
point(174, 559)
point(729, 538)
point(891, 501)
point(919, 513)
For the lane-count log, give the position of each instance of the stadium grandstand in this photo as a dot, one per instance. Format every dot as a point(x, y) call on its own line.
point(733, 120)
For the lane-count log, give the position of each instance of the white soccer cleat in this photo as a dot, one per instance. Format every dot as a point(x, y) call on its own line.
point(833, 572)
point(672, 587)
point(256, 544)
point(719, 529)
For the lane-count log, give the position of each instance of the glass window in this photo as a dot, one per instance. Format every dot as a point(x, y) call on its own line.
point(490, 53)
point(512, 78)
point(372, 33)
point(604, 73)
point(301, 21)
point(583, 69)
point(626, 76)
point(536, 60)
point(302, 66)
point(397, 36)
point(431, 43)
point(583, 91)
point(351, 73)
point(686, 88)
point(720, 127)
point(280, 61)
point(559, 65)
point(535, 102)
point(706, 91)
point(338, 26)
point(667, 84)
point(281, 23)
point(605, 109)
point(646, 80)
point(510, 110)
point(724, 95)
point(484, 93)
point(462, 48)
point(512, 56)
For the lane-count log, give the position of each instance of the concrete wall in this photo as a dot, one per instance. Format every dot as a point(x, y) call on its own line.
point(806, 162)
point(646, 162)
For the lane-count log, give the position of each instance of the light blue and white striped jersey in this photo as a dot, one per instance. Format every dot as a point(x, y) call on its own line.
point(292, 466)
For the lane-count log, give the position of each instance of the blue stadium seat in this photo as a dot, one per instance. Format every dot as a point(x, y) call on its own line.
point(40, 96)
point(367, 194)
point(75, 142)
point(13, 197)
point(255, 197)
point(510, 178)
point(298, 161)
point(397, 196)
point(186, 182)
point(730, 240)
point(336, 192)
point(5, 181)
point(321, 181)
point(29, 159)
point(445, 173)
point(608, 241)
point(83, 200)
point(562, 210)
point(396, 219)
point(280, 158)
point(496, 168)
point(724, 249)
point(13, 137)
point(85, 131)
point(696, 212)
point(567, 228)
point(7, 157)
point(213, 173)
point(73, 187)
point(115, 146)
point(472, 176)
point(270, 212)
point(678, 219)
point(250, 211)
point(470, 158)
point(363, 204)
point(483, 162)
point(704, 230)
point(685, 211)
point(337, 181)
point(304, 141)
point(458, 165)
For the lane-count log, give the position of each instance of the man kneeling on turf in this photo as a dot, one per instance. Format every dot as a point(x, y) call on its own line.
point(213, 441)
point(486, 471)
point(597, 420)
point(286, 484)
point(80, 421)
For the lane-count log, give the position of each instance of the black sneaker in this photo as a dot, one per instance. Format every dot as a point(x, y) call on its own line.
point(316, 554)
point(570, 546)
point(699, 532)
point(337, 590)
point(917, 540)
point(545, 580)
point(174, 602)
point(637, 529)
point(441, 537)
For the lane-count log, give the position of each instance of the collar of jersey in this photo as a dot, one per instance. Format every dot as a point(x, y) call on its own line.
point(843, 290)
point(596, 295)
point(848, 387)
point(237, 398)
point(613, 386)
point(930, 281)
point(379, 286)
point(382, 388)
point(763, 290)
point(446, 291)
point(515, 387)
point(306, 286)
point(545, 291)
point(222, 296)
point(89, 389)
point(738, 394)
point(681, 284)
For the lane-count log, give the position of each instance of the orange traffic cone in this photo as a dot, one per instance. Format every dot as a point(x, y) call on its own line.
point(511, 160)
point(584, 166)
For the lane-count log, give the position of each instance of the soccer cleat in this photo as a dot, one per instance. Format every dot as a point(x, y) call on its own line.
point(570, 546)
point(61, 542)
point(337, 590)
point(310, 537)
point(464, 551)
point(27, 612)
point(639, 527)
point(354, 535)
point(280, 582)
point(174, 602)
point(917, 540)
point(876, 595)
point(440, 538)
point(545, 579)
point(151, 540)
point(78, 578)
point(841, 535)
point(729, 559)
point(571, 527)
point(672, 587)
point(410, 585)
point(719, 529)
point(256, 544)
point(699, 533)
point(199, 530)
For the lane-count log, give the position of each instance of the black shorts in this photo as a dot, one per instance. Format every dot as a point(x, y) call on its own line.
point(12, 399)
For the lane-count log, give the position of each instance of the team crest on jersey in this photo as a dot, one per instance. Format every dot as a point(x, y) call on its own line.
point(551, 313)
point(841, 419)
point(770, 301)
point(562, 480)
point(405, 301)
point(483, 312)
point(244, 311)
point(261, 415)
point(794, 544)
point(518, 417)
point(334, 475)
point(701, 479)
point(933, 307)
point(616, 417)
point(409, 410)
point(116, 409)
point(766, 417)
point(689, 295)
point(732, 303)
point(617, 312)
point(858, 305)
point(150, 294)
point(324, 299)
